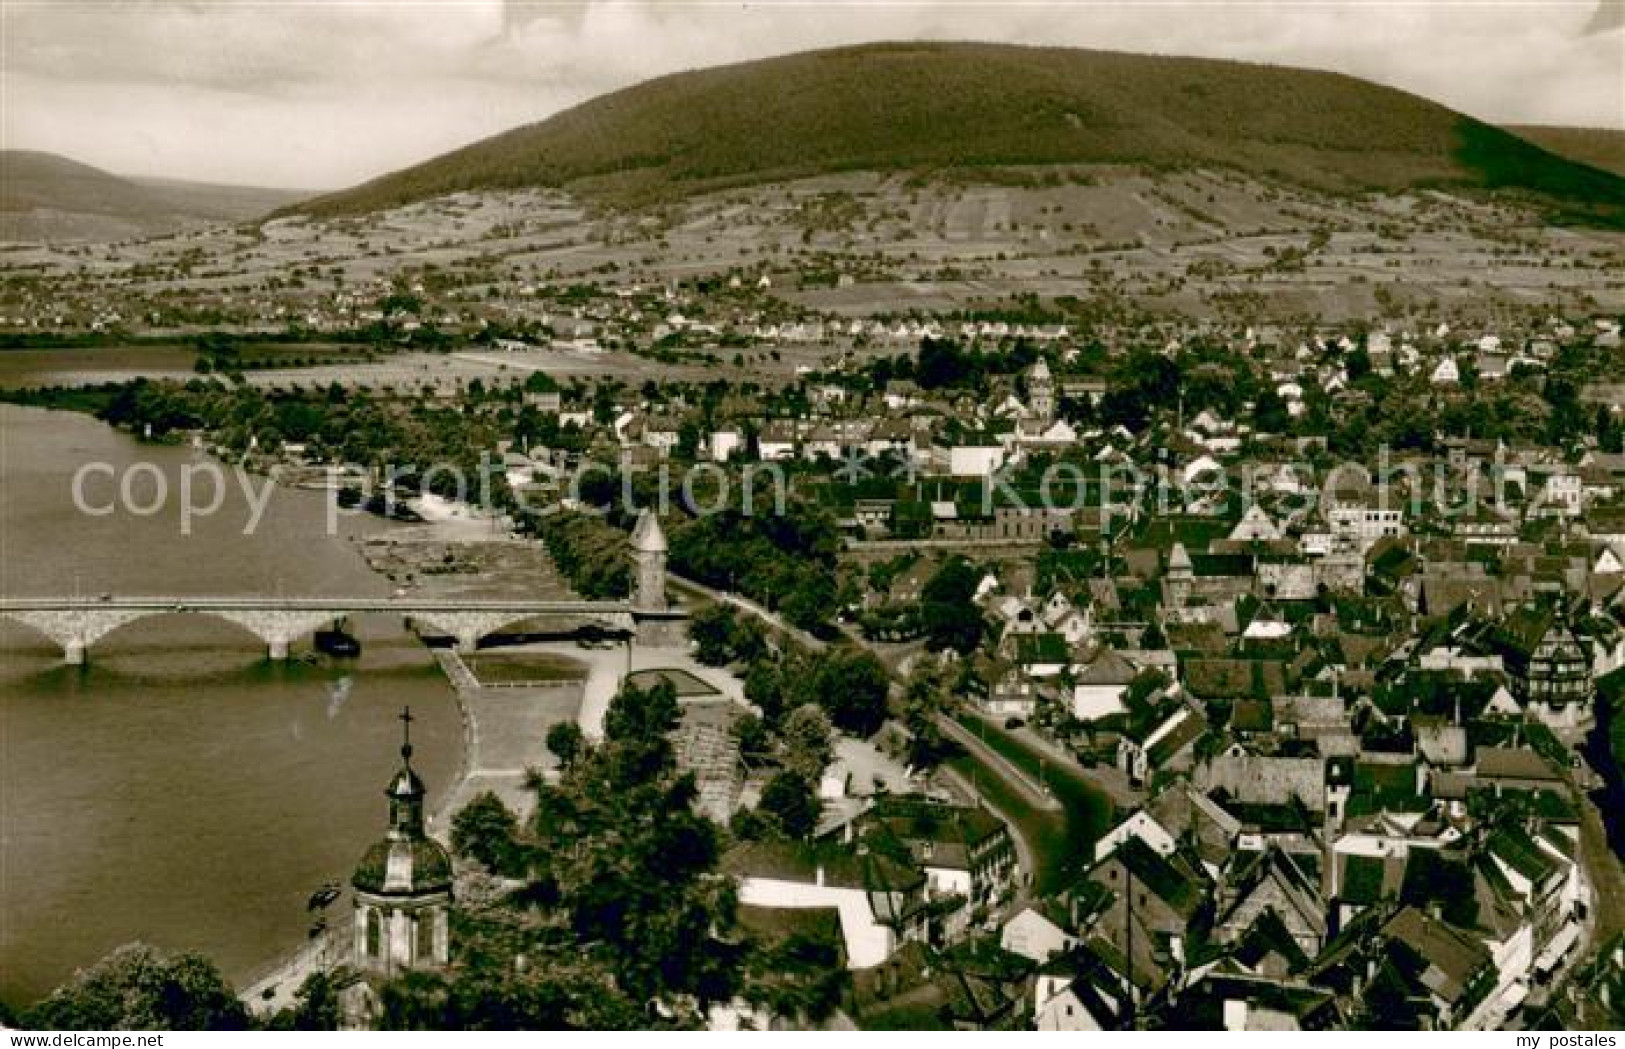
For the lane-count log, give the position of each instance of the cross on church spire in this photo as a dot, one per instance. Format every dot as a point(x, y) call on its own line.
point(406, 720)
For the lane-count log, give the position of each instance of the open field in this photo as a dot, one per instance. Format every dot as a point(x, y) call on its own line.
point(1124, 244)
point(418, 559)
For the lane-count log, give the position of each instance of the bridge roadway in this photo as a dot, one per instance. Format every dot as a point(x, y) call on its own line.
point(77, 623)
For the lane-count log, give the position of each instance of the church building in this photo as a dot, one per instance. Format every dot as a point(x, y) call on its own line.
point(403, 885)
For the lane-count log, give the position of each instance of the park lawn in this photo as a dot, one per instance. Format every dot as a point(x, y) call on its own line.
point(526, 667)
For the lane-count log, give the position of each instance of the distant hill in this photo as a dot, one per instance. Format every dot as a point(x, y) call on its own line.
point(938, 106)
point(48, 197)
point(1599, 147)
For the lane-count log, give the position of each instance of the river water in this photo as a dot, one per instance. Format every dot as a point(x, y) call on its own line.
point(180, 789)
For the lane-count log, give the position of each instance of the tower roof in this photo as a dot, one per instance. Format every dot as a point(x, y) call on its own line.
point(406, 861)
point(1040, 369)
point(403, 868)
point(406, 784)
point(1179, 560)
point(647, 536)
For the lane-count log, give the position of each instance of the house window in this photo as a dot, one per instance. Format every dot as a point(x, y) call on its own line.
point(425, 937)
point(375, 934)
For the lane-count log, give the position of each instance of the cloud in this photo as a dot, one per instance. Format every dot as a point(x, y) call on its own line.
point(309, 93)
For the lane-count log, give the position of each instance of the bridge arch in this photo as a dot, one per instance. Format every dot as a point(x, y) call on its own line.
point(74, 630)
point(470, 627)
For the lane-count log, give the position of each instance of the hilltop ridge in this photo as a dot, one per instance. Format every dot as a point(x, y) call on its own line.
point(935, 106)
point(48, 197)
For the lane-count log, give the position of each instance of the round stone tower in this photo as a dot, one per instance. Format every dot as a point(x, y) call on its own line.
point(649, 551)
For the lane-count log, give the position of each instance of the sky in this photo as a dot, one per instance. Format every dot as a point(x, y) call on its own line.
point(316, 94)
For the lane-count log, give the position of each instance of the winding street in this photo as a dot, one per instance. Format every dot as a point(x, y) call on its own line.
point(1041, 823)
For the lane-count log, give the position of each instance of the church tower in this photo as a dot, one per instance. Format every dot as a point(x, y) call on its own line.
point(1041, 392)
point(403, 884)
point(1178, 580)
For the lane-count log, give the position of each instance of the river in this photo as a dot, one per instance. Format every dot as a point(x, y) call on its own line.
point(180, 789)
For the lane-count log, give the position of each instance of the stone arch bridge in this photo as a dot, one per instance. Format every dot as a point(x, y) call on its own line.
point(76, 624)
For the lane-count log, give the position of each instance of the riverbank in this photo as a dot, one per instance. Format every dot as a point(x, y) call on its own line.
point(505, 728)
point(179, 789)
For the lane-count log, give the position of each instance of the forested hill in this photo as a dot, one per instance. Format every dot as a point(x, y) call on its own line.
point(931, 106)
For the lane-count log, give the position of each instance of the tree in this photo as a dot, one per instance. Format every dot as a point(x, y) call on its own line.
point(713, 631)
point(564, 741)
point(688, 440)
point(792, 804)
point(1144, 684)
point(924, 697)
point(487, 831)
point(628, 863)
point(1610, 434)
point(623, 921)
point(947, 613)
point(766, 687)
point(418, 1001)
point(135, 988)
point(799, 974)
point(806, 735)
point(941, 363)
point(316, 1006)
point(751, 734)
point(1358, 363)
point(638, 721)
point(1270, 413)
point(749, 640)
point(810, 604)
point(1432, 881)
point(851, 686)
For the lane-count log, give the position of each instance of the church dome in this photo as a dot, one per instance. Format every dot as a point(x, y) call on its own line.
point(397, 867)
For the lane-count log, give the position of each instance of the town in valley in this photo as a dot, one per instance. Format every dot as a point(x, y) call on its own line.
point(1045, 594)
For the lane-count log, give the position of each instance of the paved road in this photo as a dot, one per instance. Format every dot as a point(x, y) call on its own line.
point(1020, 823)
point(1031, 790)
point(1108, 780)
point(745, 604)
